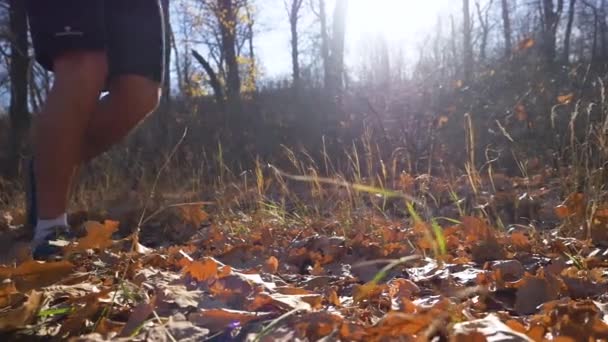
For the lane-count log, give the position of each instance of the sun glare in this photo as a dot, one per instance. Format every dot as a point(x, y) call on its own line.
point(395, 19)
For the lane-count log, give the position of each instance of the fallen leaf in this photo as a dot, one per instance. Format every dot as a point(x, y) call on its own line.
point(221, 319)
point(193, 214)
point(23, 315)
point(520, 112)
point(202, 270)
point(565, 99)
point(489, 329)
point(99, 236)
point(33, 274)
point(179, 329)
point(139, 314)
point(532, 293)
point(367, 291)
point(271, 265)
point(316, 325)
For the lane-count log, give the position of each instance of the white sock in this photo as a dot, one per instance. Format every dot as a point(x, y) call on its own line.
point(45, 227)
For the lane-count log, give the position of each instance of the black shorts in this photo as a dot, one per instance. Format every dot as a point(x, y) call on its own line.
point(130, 31)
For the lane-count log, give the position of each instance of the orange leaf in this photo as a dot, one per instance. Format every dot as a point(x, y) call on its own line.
point(520, 240)
point(575, 205)
point(526, 44)
point(520, 112)
point(202, 270)
point(565, 99)
point(271, 265)
point(367, 291)
point(99, 236)
point(562, 211)
point(194, 215)
point(33, 274)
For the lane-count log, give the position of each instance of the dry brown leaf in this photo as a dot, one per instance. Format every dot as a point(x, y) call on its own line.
point(99, 236)
point(533, 292)
point(271, 265)
point(367, 291)
point(139, 314)
point(397, 324)
point(521, 241)
point(332, 297)
point(520, 112)
point(526, 44)
point(202, 270)
point(316, 325)
point(76, 320)
point(109, 328)
point(489, 329)
point(565, 99)
point(33, 274)
point(573, 207)
point(220, 319)
point(22, 315)
point(193, 214)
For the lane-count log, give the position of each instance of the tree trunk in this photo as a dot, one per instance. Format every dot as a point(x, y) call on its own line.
point(568, 33)
point(294, 16)
point(551, 16)
point(250, 33)
point(213, 79)
point(485, 30)
point(506, 26)
point(167, 61)
point(337, 48)
point(227, 18)
point(18, 72)
point(603, 30)
point(467, 43)
point(325, 44)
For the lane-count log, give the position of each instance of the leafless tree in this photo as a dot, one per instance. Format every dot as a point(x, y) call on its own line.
point(293, 12)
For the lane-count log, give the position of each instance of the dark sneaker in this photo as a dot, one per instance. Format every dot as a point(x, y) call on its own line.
point(31, 204)
point(52, 246)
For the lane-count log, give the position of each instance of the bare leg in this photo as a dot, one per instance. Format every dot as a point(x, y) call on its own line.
point(61, 127)
point(130, 100)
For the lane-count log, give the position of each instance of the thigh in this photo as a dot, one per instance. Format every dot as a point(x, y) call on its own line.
point(61, 26)
point(135, 31)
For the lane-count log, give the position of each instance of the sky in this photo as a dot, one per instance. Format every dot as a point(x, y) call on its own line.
point(404, 23)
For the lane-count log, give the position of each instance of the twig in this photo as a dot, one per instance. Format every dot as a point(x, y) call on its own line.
point(163, 326)
point(155, 184)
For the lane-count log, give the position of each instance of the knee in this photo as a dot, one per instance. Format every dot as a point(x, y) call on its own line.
point(139, 95)
point(145, 100)
point(87, 69)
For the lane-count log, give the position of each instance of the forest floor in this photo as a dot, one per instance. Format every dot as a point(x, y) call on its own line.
point(267, 273)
